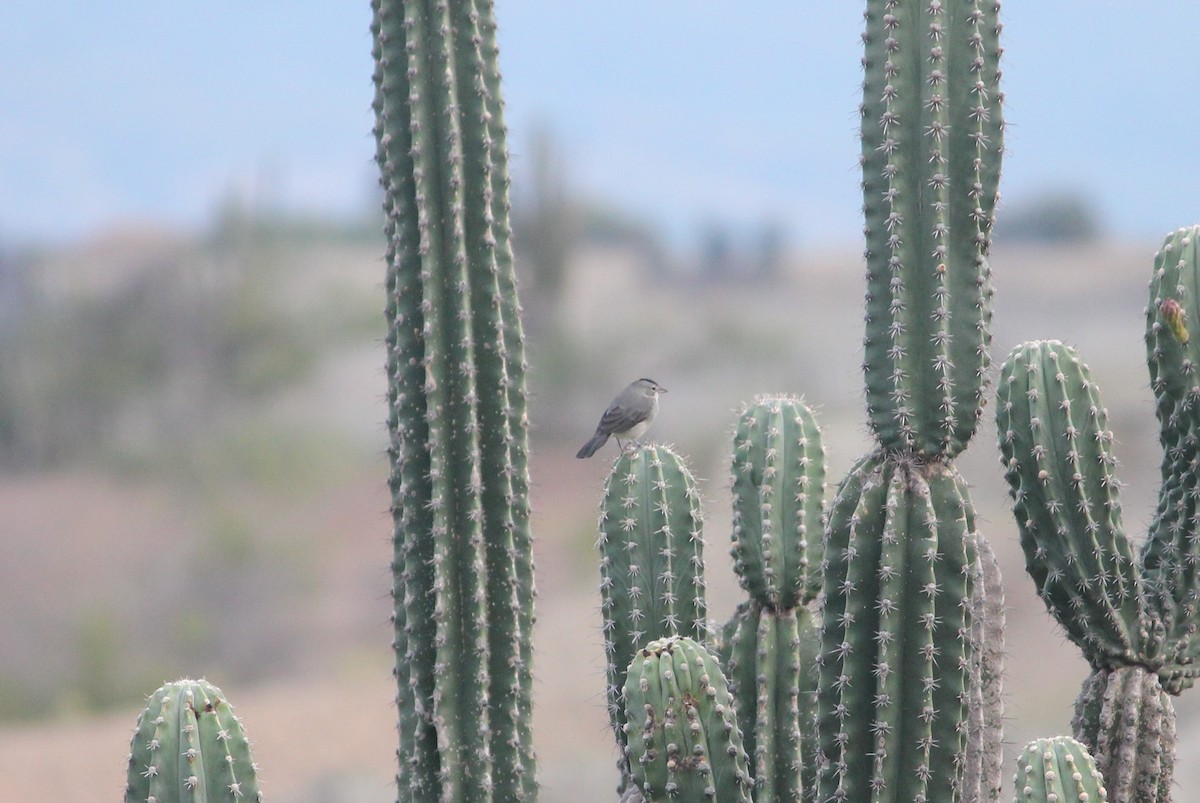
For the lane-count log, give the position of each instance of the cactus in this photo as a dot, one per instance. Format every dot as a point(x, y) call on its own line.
point(463, 580)
point(896, 653)
point(769, 658)
point(682, 738)
point(908, 705)
point(778, 502)
point(1058, 770)
point(1128, 723)
point(189, 747)
point(931, 154)
point(651, 561)
point(770, 644)
point(1133, 616)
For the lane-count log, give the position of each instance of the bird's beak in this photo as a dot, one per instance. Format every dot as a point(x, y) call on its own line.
point(662, 389)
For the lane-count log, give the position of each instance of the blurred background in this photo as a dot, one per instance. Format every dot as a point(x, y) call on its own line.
point(191, 419)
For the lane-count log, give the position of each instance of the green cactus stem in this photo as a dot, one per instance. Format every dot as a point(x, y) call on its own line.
point(932, 144)
point(651, 561)
point(463, 580)
point(1171, 555)
point(189, 747)
point(770, 661)
point(1056, 447)
point(778, 501)
point(984, 770)
point(682, 738)
point(1132, 616)
point(771, 643)
point(1058, 770)
point(897, 647)
point(1127, 721)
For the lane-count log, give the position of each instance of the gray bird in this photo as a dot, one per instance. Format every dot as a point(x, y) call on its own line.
point(628, 417)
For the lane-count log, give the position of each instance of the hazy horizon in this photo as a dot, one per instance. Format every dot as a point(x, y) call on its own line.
point(677, 114)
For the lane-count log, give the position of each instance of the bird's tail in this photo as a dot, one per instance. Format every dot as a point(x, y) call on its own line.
point(591, 447)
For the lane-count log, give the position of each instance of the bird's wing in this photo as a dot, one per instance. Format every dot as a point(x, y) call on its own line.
point(618, 419)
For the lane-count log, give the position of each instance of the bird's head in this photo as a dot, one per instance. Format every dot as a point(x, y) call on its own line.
point(649, 387)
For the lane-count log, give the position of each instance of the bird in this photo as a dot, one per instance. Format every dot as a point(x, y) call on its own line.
point(628, 417)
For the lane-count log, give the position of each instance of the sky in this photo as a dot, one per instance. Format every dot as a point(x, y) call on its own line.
point(679, 111)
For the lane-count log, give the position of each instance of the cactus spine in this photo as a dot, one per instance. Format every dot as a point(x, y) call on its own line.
point(651, 561)
point(1133, 616)
point(908, 701)
point(683, 741)
point(771, 642)
point(1058, 770)
point(189, 747)
point(463, 582)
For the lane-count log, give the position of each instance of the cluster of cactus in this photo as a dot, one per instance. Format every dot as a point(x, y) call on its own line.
point(907, 706)
point(896, 696)
point(652, 588)
point(189, 747)
point(462, 567)
point(1133, 616)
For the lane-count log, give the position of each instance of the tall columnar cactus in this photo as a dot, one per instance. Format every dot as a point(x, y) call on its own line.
point(651, 561)
point(463, 580)
point(770, 645)
point(683, 741)
point(189, 747)
point(905, 711)
point(1058, 770)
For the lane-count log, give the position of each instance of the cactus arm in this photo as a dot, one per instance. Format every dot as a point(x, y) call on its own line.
point(1058, 770)
point(414, 624)
point(931, 155)
point(778, 501)
point(190, 747)
point(652, 560)
point(514, 388)
point(1057, 452)
point(506, 657)
point(1171, 554)
point(682, 741)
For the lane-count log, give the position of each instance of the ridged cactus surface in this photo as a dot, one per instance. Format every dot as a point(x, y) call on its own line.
point(932, 144)
point(770, 645)
point(778, 501)
point(651, 561)
point(683, 741)
point(896, 659)
point(189, 747)
point(1056, 446)
point(1127, 721)
point(1171, 556)
point(462, 568)
point(770, 662)
point(1058, 770)
point(1133, 615)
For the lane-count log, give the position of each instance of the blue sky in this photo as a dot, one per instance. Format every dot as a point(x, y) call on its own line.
point(679, 111)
